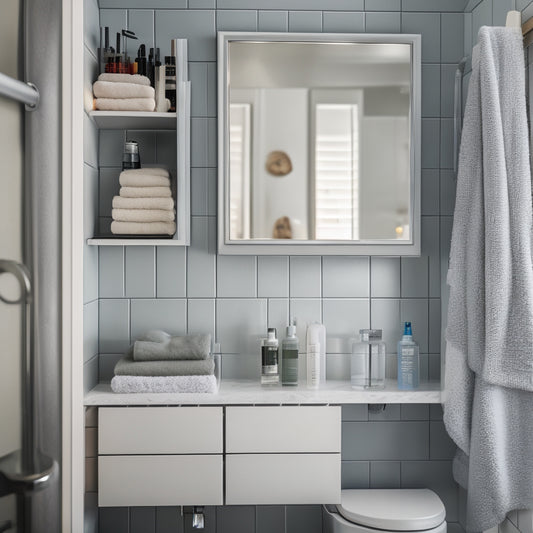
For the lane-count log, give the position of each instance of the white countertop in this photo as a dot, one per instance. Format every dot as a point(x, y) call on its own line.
point(250, 392)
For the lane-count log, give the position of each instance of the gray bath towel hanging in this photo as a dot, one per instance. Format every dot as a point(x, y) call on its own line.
point(488, 401)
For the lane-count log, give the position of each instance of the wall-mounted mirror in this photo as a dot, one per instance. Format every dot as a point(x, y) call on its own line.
point(319, 144)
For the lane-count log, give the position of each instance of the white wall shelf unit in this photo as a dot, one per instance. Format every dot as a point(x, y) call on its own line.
point(250, 392)
point(133, 120)
point(181, 122)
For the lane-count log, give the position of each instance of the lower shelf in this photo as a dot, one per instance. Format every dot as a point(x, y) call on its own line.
point(136, 242)
point(250, 392)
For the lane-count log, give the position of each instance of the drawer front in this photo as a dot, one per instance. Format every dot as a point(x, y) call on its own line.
point(159, 480)
point(283, 429)
point(277, 479)
point(153, 430)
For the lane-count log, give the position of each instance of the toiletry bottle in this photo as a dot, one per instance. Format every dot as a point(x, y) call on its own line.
point(408, 360)
point(313, 366)
point(170, 81)
point(131, 158)
point(289, 356)
point(269, 359)
point(368, 360)
point(316, 334)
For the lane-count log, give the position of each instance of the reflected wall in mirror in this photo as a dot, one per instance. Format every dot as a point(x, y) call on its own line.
point(319, 143)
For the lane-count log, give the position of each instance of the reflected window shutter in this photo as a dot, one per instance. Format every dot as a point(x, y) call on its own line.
point(337, 172)
point(239, 156)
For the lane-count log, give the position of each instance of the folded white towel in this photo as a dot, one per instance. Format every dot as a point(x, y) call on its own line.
point(124, 78)
point(109, 89)
point(147, 171)
point(143, 180)
point(142, 203)
point(143, 228)
point(186, 384)
point(143, 215)
point(125, 104)
point(145, 192)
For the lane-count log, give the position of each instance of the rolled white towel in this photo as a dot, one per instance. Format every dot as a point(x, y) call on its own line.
point(125, 104)
point(143, 180)
point(142, 203)
point(124, 78)
point(143, 228)
point(145, 192)
point(143, 215)
point(147, 171)
point(109, 89)
point(186, 384)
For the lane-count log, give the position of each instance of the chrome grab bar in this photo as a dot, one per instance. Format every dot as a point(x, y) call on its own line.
point(20, 91)
point(26, 470)
point(458, 113)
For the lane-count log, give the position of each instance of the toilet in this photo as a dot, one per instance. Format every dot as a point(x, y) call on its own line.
point(385, 511)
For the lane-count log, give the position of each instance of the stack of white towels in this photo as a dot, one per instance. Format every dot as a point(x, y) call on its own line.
point(123, 92)
point(145, 205)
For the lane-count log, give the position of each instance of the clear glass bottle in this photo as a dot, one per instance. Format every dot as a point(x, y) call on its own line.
point(289, 356)
point(408, 360)
point(269, 359)
point(368, 360)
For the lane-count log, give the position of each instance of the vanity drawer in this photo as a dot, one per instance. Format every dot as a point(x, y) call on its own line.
point(261, 479)
point(140, 480)
point(153, 430)
point(283, 429)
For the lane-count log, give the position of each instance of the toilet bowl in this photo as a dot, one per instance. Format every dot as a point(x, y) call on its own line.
point(385, 511)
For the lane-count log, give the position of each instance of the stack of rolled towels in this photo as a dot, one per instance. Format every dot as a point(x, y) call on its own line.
point(159, 362)
point(145, 205)
point(123, 92)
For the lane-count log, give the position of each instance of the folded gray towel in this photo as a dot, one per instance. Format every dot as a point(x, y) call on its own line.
point(127, 366)
point(185, 384)
point(160, 346)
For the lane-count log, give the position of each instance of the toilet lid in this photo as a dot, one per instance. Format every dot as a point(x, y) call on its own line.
point(393, 509)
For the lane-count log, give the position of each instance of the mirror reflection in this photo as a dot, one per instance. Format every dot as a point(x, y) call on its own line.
point(319, 141)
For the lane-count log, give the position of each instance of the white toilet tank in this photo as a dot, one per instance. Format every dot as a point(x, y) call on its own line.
point(386, 511)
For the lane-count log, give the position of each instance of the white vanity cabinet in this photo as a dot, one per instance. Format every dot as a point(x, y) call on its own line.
point(175, 455)
point(283, 455)
point(160, 456)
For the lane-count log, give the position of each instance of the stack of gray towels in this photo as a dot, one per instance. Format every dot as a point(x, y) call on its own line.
point(159, 362)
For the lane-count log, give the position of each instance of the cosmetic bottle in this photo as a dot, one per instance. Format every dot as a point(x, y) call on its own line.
point(368, 360)
point(316, 334)
point(289, 356)
point(159, 79)
point(408, 360)
point(269, 359)
point(313, 366)
point(170, 81)
point(131, 157)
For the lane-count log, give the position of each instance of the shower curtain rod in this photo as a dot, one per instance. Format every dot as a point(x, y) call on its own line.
point(23, 92)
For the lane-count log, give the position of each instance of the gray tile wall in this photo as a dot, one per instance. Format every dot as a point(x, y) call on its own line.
point(237, 298)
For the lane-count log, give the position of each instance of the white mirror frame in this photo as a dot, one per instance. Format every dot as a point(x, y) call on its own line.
point(226, 246)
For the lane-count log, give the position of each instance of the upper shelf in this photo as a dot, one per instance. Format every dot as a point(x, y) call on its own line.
point(134, 120)
point(250, 392)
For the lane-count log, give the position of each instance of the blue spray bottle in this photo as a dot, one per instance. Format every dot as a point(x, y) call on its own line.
point(408, 360)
